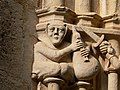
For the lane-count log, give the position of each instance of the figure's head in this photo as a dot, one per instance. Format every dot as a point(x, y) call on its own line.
point(56, 33)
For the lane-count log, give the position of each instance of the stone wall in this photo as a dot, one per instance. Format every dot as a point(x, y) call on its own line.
point(17, 26)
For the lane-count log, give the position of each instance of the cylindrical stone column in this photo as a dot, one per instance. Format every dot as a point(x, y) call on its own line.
point(53, 86)
point(82, 6)
point(112, 81)
point(103, 7)
point(58, 2)
point(111, 6)
point(53, 3)
point(113, 75)
point(82, 89)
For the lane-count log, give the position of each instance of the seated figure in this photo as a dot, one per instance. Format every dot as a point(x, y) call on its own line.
point(53, 59)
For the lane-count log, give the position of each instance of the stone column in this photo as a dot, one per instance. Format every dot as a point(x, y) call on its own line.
point(111, 6)
point(58, 2)
point(112, 81)
point(53, 3)
point(113, 75)
point(111, 19)
point(82, 6)
point(85, 15)
point(103, 7)
point(53, 86)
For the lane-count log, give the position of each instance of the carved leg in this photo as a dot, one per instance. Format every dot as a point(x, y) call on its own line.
point(53, 83)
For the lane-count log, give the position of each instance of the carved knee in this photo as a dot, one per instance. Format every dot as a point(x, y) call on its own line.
point(67, 72)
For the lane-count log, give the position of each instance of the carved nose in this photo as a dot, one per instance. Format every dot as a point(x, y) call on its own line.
point(56, 31)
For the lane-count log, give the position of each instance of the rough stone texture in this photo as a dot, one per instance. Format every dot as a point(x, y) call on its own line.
point(17, 24)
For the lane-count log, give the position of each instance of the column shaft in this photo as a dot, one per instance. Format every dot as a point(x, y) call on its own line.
point(82, 89)
point(112, 6)
point(103, 7)
point(112, 81)
point(53, 86)
point(82, 6)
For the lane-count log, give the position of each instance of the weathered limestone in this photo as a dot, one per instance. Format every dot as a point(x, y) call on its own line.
point(76, 42)
point(112, 6)
point(53, 83)
point(85, 16)
point(81, 85)
point(82, 59)
point(103, 7)
point(82, 6)
point(16, 31)
point(112, 81)
point(52, 3)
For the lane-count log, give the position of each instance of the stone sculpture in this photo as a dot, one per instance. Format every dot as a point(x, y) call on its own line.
point(78, 62)
point(49, 57)
point(54, 60)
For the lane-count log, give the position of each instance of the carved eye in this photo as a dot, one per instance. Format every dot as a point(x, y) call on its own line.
point(52, 29)
point(62, 29)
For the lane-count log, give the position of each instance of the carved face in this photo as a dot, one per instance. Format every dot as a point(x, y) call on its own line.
point(56, 33)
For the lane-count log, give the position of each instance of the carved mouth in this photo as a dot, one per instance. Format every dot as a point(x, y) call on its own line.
point(56, 37)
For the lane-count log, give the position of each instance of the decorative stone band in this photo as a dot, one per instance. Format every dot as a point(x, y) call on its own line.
point(40, 27)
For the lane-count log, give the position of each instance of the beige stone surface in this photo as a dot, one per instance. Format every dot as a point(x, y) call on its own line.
point(58, 65)
point(16, 32)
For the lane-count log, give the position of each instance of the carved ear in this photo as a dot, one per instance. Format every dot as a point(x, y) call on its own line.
point(66, 28)
point(65, 25)
point(46, 29)
point(48, 24)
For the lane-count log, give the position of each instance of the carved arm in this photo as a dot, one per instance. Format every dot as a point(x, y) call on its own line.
point(52, 54)
point(109, 53)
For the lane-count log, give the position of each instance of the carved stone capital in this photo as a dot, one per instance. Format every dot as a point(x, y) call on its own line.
point(52, 79)
point(56, 14)
point(90, 19)
point(53, 83)
point(112, 21)
point(81, 85)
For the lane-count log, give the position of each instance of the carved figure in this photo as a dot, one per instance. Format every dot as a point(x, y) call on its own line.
point(53, 59)
point(113, 61)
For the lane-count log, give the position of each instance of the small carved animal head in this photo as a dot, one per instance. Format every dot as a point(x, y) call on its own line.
point(56, 33)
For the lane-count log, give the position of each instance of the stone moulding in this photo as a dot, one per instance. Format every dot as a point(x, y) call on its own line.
point(41, 27)
point(56, 13)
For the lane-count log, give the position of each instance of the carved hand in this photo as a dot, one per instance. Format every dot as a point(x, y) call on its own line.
point(76, 45)
point(114, 62)
point(105, 47)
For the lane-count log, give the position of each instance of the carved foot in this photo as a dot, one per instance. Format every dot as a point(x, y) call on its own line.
point(53, 83)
